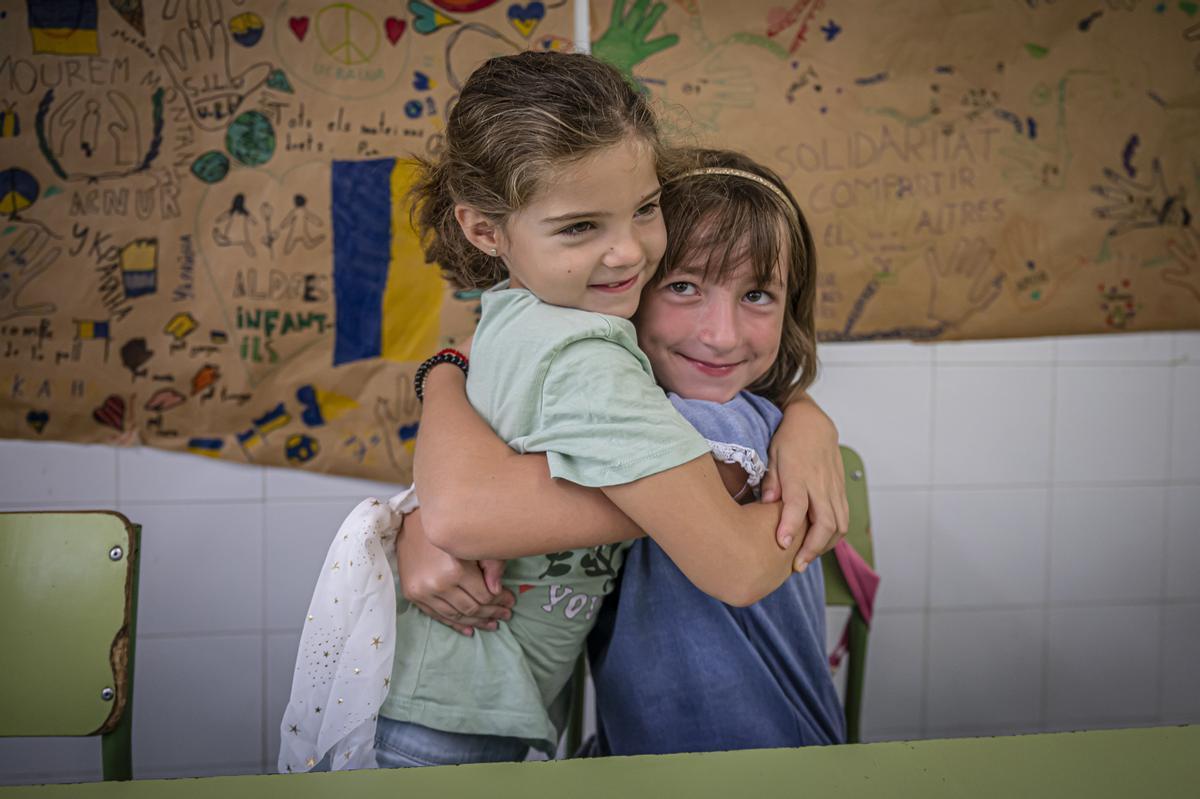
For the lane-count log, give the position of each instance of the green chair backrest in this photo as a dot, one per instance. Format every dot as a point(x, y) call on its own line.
point(68, 587)
point(837, 592)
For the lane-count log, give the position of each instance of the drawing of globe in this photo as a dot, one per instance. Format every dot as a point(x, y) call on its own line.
point(251, 139)
point(347, 35)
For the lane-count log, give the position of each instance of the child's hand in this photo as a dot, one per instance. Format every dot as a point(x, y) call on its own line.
point(808, 475)
point(461, 594)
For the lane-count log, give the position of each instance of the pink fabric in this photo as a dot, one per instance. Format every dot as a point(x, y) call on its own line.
point(864, 584)
point(862, 579)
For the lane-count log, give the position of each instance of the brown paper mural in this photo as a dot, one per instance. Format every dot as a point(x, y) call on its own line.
point(201, 247)
point(970, 168)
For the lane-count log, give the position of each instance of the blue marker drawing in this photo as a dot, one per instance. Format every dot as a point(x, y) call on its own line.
point(1127, 155)
point(878, 77)
point(1031, 127)
point(1011, 118)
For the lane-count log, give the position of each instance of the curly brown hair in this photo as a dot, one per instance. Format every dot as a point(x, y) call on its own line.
point(715, 219)
point(517, 120)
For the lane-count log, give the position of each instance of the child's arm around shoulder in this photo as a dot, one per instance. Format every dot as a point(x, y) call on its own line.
point(727, 550)
point(481, 499)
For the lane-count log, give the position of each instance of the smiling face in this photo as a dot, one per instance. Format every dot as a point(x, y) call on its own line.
point(593, 236)
point(709, 338)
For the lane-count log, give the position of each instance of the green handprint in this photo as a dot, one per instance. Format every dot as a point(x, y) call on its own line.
point(624, 44)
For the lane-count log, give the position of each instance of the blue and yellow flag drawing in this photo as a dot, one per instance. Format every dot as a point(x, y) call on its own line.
point(388, 300)
point(63, 27)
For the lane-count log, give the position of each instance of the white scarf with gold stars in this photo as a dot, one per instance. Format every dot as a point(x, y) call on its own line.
point(344, 663)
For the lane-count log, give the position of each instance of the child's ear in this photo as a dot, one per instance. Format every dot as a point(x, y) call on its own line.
point(481, 231)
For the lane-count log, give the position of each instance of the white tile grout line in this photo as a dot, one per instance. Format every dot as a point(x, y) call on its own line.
point(926, 634)
point(1161, 679)
point(1048, 554)
point(264, 705)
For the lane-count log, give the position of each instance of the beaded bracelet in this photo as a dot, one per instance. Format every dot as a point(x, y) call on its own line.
point(445, 356)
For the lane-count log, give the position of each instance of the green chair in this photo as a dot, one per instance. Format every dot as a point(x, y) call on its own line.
point(837, 591)
point(68, 587)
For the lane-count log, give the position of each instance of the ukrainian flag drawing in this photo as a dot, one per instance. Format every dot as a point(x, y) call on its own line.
point(273, 419)
point(88, 330)
point(388, 300)
point(209, 447)
point(63, 27)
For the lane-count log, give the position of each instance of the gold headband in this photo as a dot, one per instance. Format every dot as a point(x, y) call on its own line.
point(740, 173)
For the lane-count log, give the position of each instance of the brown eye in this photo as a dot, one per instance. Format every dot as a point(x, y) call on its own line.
point(576, 229)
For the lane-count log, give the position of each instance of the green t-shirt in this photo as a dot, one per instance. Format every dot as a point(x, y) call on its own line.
point(575, 385)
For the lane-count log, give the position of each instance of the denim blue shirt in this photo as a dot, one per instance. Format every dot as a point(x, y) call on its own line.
point(678, 671)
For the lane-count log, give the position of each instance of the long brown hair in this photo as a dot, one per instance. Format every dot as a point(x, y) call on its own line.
point(715, 219)
point(517, 119)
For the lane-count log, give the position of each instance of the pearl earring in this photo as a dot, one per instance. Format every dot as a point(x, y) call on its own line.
point(493, 252)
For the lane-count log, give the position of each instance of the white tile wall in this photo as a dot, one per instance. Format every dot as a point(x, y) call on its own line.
point(894, 687)
point(992, 425)
point(1035, 504)
point(985, 669)
point(1181, 654)
point(1107, 544)
point(1111, 423)
point(892, 428)
point(988, 548)
point(901, 517)
point(1103, 665)
point(1183, 542)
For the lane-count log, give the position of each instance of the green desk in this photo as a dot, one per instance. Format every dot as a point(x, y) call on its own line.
point(1158, 762)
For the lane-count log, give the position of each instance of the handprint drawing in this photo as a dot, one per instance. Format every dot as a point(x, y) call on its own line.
point(200, 70)
point(29, 253)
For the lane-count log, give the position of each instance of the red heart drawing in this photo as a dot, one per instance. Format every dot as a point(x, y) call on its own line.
point(394, 28)
point(299, 26)
point(524, 587)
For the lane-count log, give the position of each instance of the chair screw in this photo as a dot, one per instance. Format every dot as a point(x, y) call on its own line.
point(115, 553)
point(107, 694)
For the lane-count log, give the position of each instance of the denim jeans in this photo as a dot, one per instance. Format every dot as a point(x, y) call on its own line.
point(400, 744)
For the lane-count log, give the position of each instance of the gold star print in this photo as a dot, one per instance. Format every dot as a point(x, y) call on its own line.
point(318, 708)
point(374, 503)
point(312, 761)
point(339, 701)
point(293, 729)
point(335, 600)
point(326, 653)
point(289, 768)
point(336, 565)
point(387, 681)
point(356, 671)
point(379, 577)
point(376, 641)
point(349, 563)
point(347, 755)
point(310, 617)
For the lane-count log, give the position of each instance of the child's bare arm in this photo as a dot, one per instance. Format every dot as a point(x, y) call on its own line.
point(481, 499)
point(728, 551)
